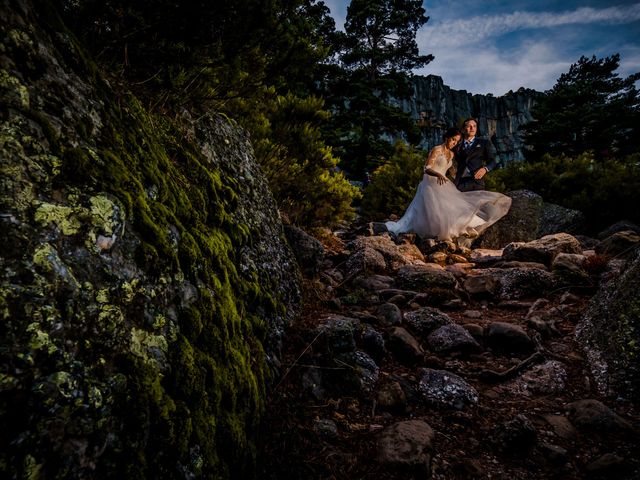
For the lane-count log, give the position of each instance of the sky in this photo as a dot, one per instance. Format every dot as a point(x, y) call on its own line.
point(493, 46)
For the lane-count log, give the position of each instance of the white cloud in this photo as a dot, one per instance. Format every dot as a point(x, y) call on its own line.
point(533, 65)
point(468, 31)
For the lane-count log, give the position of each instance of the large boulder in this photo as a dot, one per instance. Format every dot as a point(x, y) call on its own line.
point(543, 250)
point(609, 333)
point(144, 279)
point(530, 218)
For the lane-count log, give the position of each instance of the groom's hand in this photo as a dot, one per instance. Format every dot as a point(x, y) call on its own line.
point(481, 172)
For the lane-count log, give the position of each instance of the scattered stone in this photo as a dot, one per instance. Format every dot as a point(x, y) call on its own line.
point(472, 313)
point(518, 283)
point(554, 454)
point(543, 250)
point(339, 333)
point(609, 466)
point(372, 282)
point(508, 338)
point(547, 378)
point(407, 446)
point(452, 338)
point(619, 244)
point(455, 258)
point(515, 435)
point(373, 343)
point(569, 267)
point(309, 252)
point(438, 257)
point(555, 219)
point(609, 333)
point(422, 277)
point(475, 330)
point(367, 261)
point(595, 416)
point(561, 426)
point(621, 226)
point(404, 346)
point(481, 284)
point(523, 265)
point(391, 396)
point(312, 382)
point(446, 389)
point(325, 427)
point(389, 314)
point(425, 320)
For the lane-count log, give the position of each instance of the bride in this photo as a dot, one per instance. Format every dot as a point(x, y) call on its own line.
point(439, 210)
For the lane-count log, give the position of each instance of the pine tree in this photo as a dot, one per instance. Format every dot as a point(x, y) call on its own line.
point(589, 108)
point(378, 50)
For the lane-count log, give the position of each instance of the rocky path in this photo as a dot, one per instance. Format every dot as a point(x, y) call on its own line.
point(431, 361)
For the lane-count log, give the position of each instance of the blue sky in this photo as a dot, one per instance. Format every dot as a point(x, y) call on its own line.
point(493, 46)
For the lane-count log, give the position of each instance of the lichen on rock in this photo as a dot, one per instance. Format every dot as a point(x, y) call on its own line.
point(144, 276)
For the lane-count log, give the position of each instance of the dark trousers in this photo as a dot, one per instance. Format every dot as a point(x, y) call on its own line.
point(469, 184)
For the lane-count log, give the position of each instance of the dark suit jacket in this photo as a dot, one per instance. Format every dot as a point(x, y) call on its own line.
point(481, 154)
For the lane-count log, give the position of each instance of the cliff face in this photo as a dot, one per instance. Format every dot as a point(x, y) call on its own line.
point(435, 107)
point(144, 276)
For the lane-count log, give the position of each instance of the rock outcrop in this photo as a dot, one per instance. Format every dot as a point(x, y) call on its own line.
point(610, 333)
point(145, 278)
point(435, 106)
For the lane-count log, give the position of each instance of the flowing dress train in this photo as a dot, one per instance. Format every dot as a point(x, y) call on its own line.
point(445, 213)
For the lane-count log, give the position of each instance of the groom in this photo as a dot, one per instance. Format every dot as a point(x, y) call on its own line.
point(474, 156)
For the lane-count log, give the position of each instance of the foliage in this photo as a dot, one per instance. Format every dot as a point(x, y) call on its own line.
point(377, 53)
point(301, 169)
point(394, 183)
point(605, 191)
point(254, 60)
point(589, 108)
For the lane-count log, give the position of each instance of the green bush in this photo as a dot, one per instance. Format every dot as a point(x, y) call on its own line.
point(300, 167)
point(393, 184)
point(605, 191)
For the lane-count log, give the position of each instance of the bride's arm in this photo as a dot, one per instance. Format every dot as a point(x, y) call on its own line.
point(430, 163)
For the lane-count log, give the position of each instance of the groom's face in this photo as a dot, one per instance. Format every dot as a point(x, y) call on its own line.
point(470, 128)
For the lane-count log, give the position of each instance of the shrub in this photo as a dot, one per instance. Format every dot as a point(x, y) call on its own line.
point(393, 184)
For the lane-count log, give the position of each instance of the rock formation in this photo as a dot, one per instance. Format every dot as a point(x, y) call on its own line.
point(435, 106)
point(144, 275)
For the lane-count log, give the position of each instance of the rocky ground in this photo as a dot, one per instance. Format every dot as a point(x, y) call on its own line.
point(423, 360)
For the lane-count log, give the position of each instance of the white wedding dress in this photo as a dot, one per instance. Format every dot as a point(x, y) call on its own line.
point(445, 213)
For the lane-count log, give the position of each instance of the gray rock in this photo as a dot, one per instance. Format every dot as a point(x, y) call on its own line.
point(542, 250)
point(569, 268)
point(619, 244)
point(366, 261)
point(391, 396)
point(549, 377)
point(610, 466)
point(520, 224)
point(508, 338)
point(557, 219)
point(373, 343)
point(325, 427)
point(309, 252)
point(452, 338)
point(481, 284)
point(476, 331)
point(515, 435)
point(389, 314)
point(404, 346)
point(562, 427)
point(372, 282)
point(425, 320)
point(446, 389)
point(423, 277)
point(338, 333)
point(609, 333)
point(519, 283)
point(595, 416)
point(407, 446)
point(621, 226)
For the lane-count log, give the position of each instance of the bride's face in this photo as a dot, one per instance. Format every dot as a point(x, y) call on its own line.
point(452, 142)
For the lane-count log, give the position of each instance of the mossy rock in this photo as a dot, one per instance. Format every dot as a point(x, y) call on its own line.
point(146, 278)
